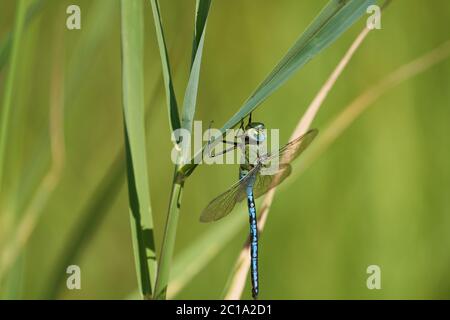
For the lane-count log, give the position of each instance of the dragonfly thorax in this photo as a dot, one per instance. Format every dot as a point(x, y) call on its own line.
point(255, 137)
point(255, 132)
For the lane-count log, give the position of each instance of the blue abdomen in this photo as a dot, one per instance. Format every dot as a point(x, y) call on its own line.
point(253, 240)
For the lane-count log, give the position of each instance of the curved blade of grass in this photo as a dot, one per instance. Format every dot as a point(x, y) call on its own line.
point(236, 283)
point(34, 189)
point(189, 103)
point(334, 19)
point(198, 254)
point(190, 97)
point(335, 129)
point(103, 13)
point(27, 220)
point(101, 19)
point(366, 99)
point(6, 43)
point(97, 206)
point(5, 48)
point(172, 105)
point(86, 46)
point(132, 23)
point(202, 10)
point(12, 285)
point(204, 254)
point(10, 79)
point(92, 214)
point(202, 251)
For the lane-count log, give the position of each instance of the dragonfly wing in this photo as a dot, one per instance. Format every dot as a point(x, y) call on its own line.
point(264, 183)
point(284, 156)
point(223, 204)
point(294, 148)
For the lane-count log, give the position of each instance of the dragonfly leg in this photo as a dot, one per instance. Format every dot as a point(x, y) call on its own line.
point(234, 143)
point(212, 154)
point(242, 127)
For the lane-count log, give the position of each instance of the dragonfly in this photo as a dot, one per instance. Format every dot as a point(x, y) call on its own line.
point(253, 183)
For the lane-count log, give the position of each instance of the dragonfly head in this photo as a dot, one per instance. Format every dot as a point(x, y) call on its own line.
point(255, 131)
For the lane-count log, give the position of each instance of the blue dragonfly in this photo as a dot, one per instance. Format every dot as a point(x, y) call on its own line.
point(253, 184)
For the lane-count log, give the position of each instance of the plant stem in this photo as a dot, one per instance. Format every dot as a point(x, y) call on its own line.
point(189, 104)
point(170, 232)
point(237, 284)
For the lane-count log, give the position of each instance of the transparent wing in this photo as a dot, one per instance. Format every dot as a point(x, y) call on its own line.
point(285, 155)
point(264, 183)
point(222, 205)
point(294, 148)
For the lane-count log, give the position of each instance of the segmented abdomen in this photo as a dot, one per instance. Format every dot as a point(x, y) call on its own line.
point(253, 234)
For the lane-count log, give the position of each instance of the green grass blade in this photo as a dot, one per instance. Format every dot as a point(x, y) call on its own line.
point(333, 20)
point(132, 23)
point(330, 23)
point(98, 205)
point(6, 42)
point(13, 284)
point(172, 105)
point(189, 104)
point(201, 15)
point(93, 213)
point(96, 208)
point(199, 253)
point(190, 96)
point(88, 44)
point(103, 14)
point(10, 79)
point(5, 48)
point(101, 20)
point(169, 238)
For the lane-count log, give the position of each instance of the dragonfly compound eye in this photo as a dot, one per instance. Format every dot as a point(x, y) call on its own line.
point(256, 135)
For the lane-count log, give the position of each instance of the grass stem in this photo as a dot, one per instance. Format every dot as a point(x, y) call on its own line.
point(10, 80)
point(242, 264)
point(169, 238)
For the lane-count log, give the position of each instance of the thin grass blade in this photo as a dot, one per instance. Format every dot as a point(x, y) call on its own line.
point(6, 42)
point(6, 106)
point(132, 24)
point(104, 15)
point(172, 105)
point(190, 97)
point(201, 16)
point(200, 252)
point(93, 213)
point(189, 105)
point(97, 206)
point(332, 21)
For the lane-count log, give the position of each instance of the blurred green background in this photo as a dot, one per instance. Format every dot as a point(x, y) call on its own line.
point(379, 195)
